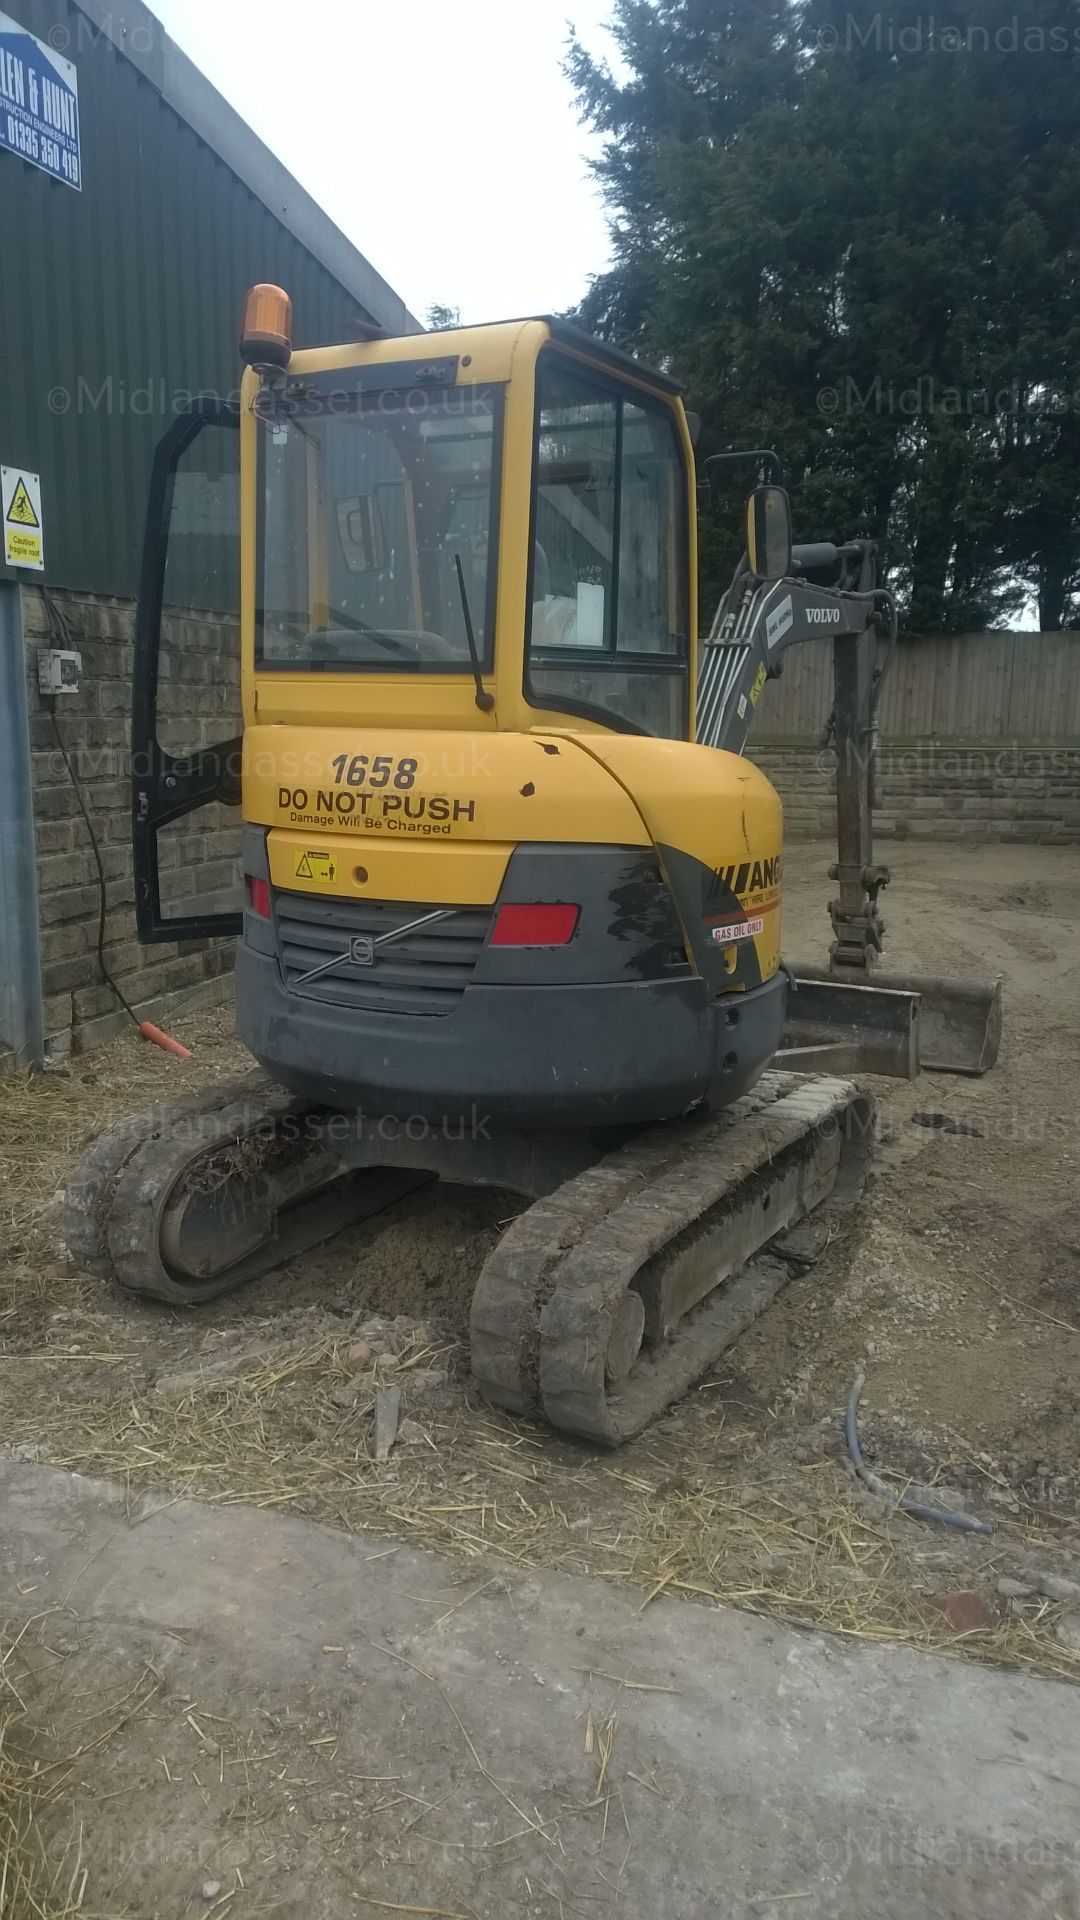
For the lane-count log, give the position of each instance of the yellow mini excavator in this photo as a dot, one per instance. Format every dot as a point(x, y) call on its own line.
point(507, 890)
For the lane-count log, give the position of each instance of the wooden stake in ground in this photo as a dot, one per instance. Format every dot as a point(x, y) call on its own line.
point(387, 1415)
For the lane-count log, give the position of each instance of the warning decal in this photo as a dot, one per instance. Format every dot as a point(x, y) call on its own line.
point(20, 496)
point(21, 511)
point(314, 865)
point(365, 812)
point(778, 621)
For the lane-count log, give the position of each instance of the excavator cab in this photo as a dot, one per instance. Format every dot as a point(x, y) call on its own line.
point(458, 814)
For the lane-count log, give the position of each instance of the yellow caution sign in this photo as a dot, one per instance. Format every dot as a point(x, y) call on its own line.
point(317, 866)
point(21, 511)
point(20, 500)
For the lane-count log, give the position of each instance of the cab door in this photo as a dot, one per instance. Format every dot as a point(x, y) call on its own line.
point(187, 717)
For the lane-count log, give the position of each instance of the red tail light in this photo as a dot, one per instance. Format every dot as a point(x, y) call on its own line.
point(544, 925)
point(259, 898)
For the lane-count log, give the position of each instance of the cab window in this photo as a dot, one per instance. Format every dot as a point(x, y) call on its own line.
point(608, 607)
point(377, 528)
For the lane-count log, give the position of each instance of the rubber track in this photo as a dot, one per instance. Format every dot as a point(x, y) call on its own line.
point(121, 1189)
point(148, 1179)
point(91, 1186)
point(520, 1273)
point(542, 1311)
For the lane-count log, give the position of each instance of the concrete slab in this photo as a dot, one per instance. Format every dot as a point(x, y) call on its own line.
point(775, 1772)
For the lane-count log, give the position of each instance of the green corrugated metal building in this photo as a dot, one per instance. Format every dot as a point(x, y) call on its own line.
point(120, 297)
point(115, 298)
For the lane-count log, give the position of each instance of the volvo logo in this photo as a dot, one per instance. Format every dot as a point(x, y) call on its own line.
point(360, 951)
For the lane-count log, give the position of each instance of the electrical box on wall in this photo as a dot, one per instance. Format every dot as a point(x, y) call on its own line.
point(58, 670)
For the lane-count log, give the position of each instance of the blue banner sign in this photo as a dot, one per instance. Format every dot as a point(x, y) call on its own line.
point(39, 104)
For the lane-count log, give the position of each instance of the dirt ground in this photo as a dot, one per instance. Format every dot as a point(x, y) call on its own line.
point(954, 1286)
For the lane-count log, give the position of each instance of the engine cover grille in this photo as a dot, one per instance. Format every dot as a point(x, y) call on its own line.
point(424, 972)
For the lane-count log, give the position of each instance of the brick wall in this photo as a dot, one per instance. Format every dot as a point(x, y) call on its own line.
point(200, 696)
point(938, 789)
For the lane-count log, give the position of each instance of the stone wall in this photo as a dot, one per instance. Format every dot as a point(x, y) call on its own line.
point(955, 789)
point(937, 789)
point(81, 1010)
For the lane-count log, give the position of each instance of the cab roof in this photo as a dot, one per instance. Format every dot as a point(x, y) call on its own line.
point(569, 335)
point(487, 349)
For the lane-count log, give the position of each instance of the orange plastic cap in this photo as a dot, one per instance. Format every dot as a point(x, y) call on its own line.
point(266, 329)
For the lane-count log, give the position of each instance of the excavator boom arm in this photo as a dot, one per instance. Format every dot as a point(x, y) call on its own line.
point(951, 1025)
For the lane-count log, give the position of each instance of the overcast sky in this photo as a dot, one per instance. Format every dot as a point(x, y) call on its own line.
point(442, 138)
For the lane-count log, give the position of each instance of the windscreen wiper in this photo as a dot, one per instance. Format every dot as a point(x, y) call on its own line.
point(484, 700)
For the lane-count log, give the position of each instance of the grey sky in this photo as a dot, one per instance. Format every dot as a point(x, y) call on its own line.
point(441, 138)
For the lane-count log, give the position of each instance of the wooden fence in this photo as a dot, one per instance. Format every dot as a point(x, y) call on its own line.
point(978, 686)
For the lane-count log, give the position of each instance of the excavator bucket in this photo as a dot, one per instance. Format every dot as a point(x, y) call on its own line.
point(959, 1027)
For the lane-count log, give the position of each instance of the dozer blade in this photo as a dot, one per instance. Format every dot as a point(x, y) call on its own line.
point(959, 1021)
point(834, 1027)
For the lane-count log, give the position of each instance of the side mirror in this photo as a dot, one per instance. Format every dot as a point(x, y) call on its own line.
point(362, 535)
point(768, 532)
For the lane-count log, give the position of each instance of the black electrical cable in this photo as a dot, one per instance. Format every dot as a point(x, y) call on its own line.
point(99, 863)
point(963, 1522)
point(61, 626)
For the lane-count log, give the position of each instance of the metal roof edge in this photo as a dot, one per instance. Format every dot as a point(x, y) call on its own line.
point(566, 332)
point(138, 34)
point(614, 356)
